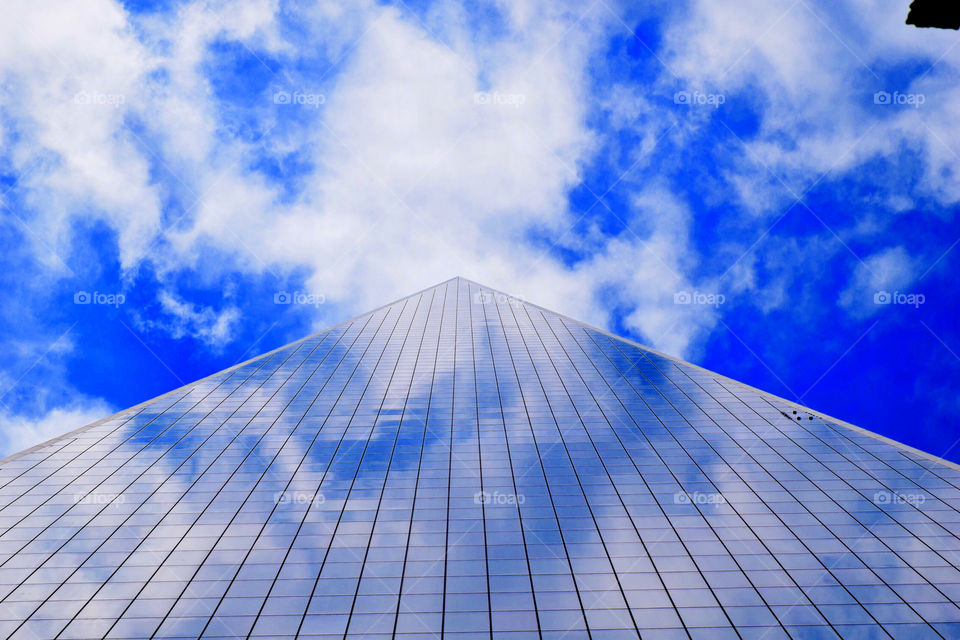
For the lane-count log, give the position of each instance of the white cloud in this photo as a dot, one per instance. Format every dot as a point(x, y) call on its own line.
point(440, 147)
point(19, 432)
point(37, 400)
point(646, 264)
point(72, 72)
point(181, 318)
point(809, 72)
point(812, 70)
point(415, 178)
point(436, 151)
point(431, 162)
point(875, 279)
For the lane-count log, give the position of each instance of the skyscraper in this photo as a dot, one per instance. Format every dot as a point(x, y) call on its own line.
point(464, 463)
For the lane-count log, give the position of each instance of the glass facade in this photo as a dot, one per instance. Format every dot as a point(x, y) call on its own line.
point(467, 465)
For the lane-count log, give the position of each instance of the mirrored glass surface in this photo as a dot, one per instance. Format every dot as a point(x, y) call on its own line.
point(465, 464)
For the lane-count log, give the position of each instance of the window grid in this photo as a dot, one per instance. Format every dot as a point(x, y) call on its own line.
point(466, 465)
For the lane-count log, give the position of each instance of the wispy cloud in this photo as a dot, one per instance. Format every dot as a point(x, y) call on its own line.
point(654, 168)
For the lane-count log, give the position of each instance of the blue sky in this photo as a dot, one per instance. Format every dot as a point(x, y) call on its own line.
point(769, 190)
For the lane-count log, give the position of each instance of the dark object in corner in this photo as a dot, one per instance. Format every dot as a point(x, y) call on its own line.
point(941, 14)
